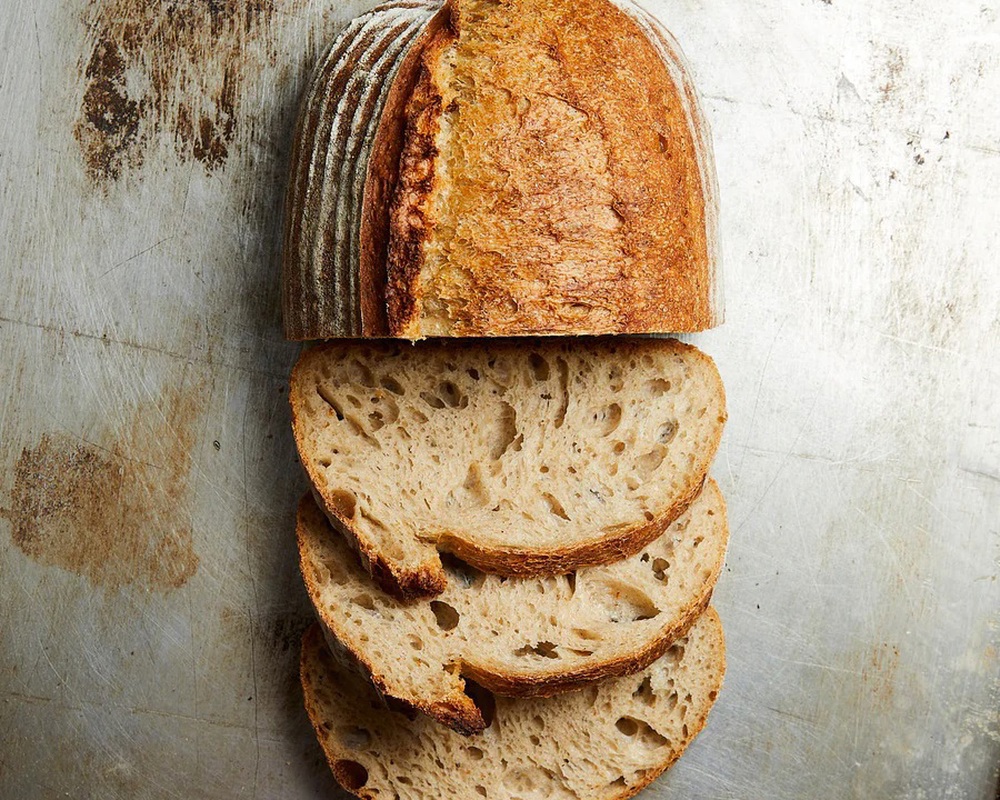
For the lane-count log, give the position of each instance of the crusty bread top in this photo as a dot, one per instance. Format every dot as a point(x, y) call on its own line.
point(516, 636)
point(556, 177)
point(519, 460)
point(603, 743)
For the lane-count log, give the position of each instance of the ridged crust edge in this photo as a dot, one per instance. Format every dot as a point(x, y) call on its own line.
point(313, 637)
point(326, 290)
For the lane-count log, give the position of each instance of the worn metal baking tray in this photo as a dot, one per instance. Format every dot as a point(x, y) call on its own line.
point(151, 606)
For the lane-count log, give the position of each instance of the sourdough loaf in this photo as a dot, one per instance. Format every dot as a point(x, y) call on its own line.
point(519, 460)
point(602, 743)
point(501, 168)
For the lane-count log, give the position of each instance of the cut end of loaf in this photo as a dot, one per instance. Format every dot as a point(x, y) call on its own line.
point(556, 177)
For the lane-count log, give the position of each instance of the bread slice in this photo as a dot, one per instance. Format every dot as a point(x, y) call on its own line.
point(517, 636)
point(605, 742)
point(520, 460)
point(525, 167)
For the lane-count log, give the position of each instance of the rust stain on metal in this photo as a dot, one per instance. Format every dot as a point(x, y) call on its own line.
point(879, 674)
point(114, 514)
point(171, 71)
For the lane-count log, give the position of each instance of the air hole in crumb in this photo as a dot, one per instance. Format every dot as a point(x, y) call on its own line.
point(592, 693)
point(360, 373)
point(474, 483)
point(645, 691)
point(555, 507)
point(392, 385)
point(364, 600)
point(447, 617)
point(451, 395)
point(666, 432)
point(618, 783)
point(325, 462)
point(563, 369)
point(543, 649)
point(544, 469)
point(627, 726)
point(660, 567)
point(535, 740)
point(649, 462)
point(649, 516)
point(473, 373)
point(637, 728)
point(475, 753)
point(483, 699)
point(354, 738)
point(415, 642)
point(328, 398)
point(675, 653)
point(608, 419)
point(506, 431)
point(626, 603)
point(657, 387)
point(351, 774)
point(539, 367)
point(619, 448)
point(481, 790)
point(465, 575)
point(588, 635)
point(432, 400)
point(581, 653)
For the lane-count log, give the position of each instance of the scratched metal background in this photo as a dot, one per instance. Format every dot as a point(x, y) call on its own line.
point(150, 603)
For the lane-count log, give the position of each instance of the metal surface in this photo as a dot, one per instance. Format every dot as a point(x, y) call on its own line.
point(150, 600)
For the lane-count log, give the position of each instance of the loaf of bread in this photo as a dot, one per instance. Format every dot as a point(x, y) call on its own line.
point(518, 460)
point(602, 743)
point(501, 168)
point(516, 636)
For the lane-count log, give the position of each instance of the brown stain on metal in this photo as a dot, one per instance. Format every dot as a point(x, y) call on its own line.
point(113, 514)
point(170, 70)
point(879, 674)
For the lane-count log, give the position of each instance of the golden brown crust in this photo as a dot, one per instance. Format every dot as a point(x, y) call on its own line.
point(382, 175)
point(409, 216)
point(555, 683)
point(642, 267)
point(607, 549)
point(461, 714)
